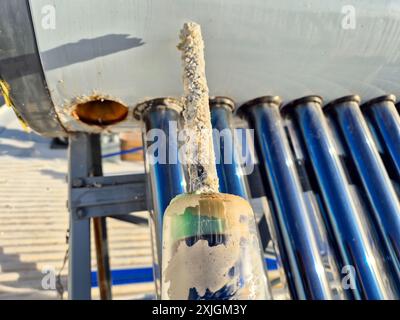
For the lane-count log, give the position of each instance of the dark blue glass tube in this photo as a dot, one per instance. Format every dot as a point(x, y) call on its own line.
point(385, 120)
point(316, 209)
point(306, 276)
point(167, 179)
point(356, 241)
point(167, 175)
point(231, 179)
point(375, 179)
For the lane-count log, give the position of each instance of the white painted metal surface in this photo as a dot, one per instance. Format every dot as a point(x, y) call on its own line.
point(127, 49)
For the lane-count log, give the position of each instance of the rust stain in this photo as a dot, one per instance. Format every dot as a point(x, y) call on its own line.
point(100, 112)
point(95, 112)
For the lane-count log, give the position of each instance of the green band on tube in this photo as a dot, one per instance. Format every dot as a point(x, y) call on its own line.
point(190, 224)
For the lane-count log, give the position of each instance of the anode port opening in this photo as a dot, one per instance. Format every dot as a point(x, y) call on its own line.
point(100, 112)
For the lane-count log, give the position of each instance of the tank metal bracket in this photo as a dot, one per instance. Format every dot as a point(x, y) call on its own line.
point(108, 196)
point(93, 197)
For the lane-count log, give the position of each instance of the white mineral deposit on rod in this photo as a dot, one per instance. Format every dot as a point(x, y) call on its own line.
point(199, 144)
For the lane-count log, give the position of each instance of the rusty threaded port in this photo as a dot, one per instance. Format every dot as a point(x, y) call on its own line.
point(101, 112)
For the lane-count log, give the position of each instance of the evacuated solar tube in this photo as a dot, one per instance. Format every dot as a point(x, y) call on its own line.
point(303, 262)
point(357, 241)
point(374, 177)
point(385, 122)
point(161, 119)
point(230, 175)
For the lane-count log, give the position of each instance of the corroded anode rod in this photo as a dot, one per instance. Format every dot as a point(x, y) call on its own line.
point(197, 120)
point(210, 247)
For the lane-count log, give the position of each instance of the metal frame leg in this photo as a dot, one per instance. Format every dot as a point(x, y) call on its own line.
point(85, 161)
point(79, 273)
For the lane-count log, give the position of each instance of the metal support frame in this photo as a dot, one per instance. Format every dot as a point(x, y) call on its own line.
point(114, 196)
point(100, 229)
point(92, 195)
